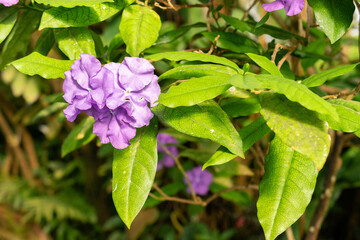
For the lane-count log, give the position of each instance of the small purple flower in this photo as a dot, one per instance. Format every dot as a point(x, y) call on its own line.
point(167, 161)
point(135, 86)
point(118, 100)
point(85, 85)
point(9, 2)
point(200, 180)
point(292, 7)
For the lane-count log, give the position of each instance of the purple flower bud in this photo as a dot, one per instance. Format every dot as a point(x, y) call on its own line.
point(116, 95)
point(9, 2)
point(292, 7)
point(167, 161)
point(200, 180)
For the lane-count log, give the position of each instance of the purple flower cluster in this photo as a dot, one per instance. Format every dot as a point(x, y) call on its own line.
point(292, 7)
point(116, 95)
point(9, 2)
point(200, 180)
point(167, 161)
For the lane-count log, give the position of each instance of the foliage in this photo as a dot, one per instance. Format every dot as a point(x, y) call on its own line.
point(261, 100)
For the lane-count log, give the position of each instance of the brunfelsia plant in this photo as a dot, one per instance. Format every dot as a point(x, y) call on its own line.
point(215, 95)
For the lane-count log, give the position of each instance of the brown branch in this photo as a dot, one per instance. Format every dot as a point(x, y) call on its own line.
point(13, 142)
point(249, 9)
point(333, 166)
point(198, 201)
point(290, 234)
point(178, 164)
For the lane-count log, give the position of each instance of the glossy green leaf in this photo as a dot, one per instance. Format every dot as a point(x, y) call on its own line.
point(320, 78)
point(232, 41)
point(194, 91)
point(200, 70)
point(263, 20)
point(298, 127)
point(192, 56)
point(18, 41)
point(205, 120)
point(237, 23)
point(292, 90)
point(45, 42)
point(81, 135)
point(175, 34)
point(71, 3)
point(286, 189)
point(333, 16)
point(259, 30)
point(53, 108)
point(265, 63)
point(75, 41)
point(80, 16)
point(7, 21)
point(236, 107)
point(134, 171)
point(349, 113)
point(48, 68)
point(249, 134)
point(139, 28)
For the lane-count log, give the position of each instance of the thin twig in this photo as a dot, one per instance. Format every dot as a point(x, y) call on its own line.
point(290, 234)
point(178, 164)
point(281, 62)
point(249, 9)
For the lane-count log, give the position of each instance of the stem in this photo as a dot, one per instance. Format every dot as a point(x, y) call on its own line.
point(178, 164)
point(333, 166)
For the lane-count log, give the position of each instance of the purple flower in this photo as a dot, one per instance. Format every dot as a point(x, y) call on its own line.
point(104, 93)
point(85, 85)
point(135, 86)
point(292, 7)
point(9, 2)
point(200, 180)
point(167, 160)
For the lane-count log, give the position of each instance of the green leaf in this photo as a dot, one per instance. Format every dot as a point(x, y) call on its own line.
point(61, 17)
point(173, 35)
point(134, 171)
point(194, 91)
point(200, 70)
point(7, 21)
point(45, 42)
point(205, 120)
point(297, 127)
point(265, 63)
point(53, 108)
point(48, 68)
point(18, 41)
point(259, 30)
point(349, 113)
point(75, 41)
point(249, 134)
point(232, 41)
point(139, 27)
point(333, 16)
point(192, 56)
point(320, 78)
point(71, 3)
point(79, 136)
point(292, 90)
point(236, 107)
point(286, 189)
point(263, 20)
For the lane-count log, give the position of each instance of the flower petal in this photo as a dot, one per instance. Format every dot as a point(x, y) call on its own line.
point(293, 7)
point(273, 6)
